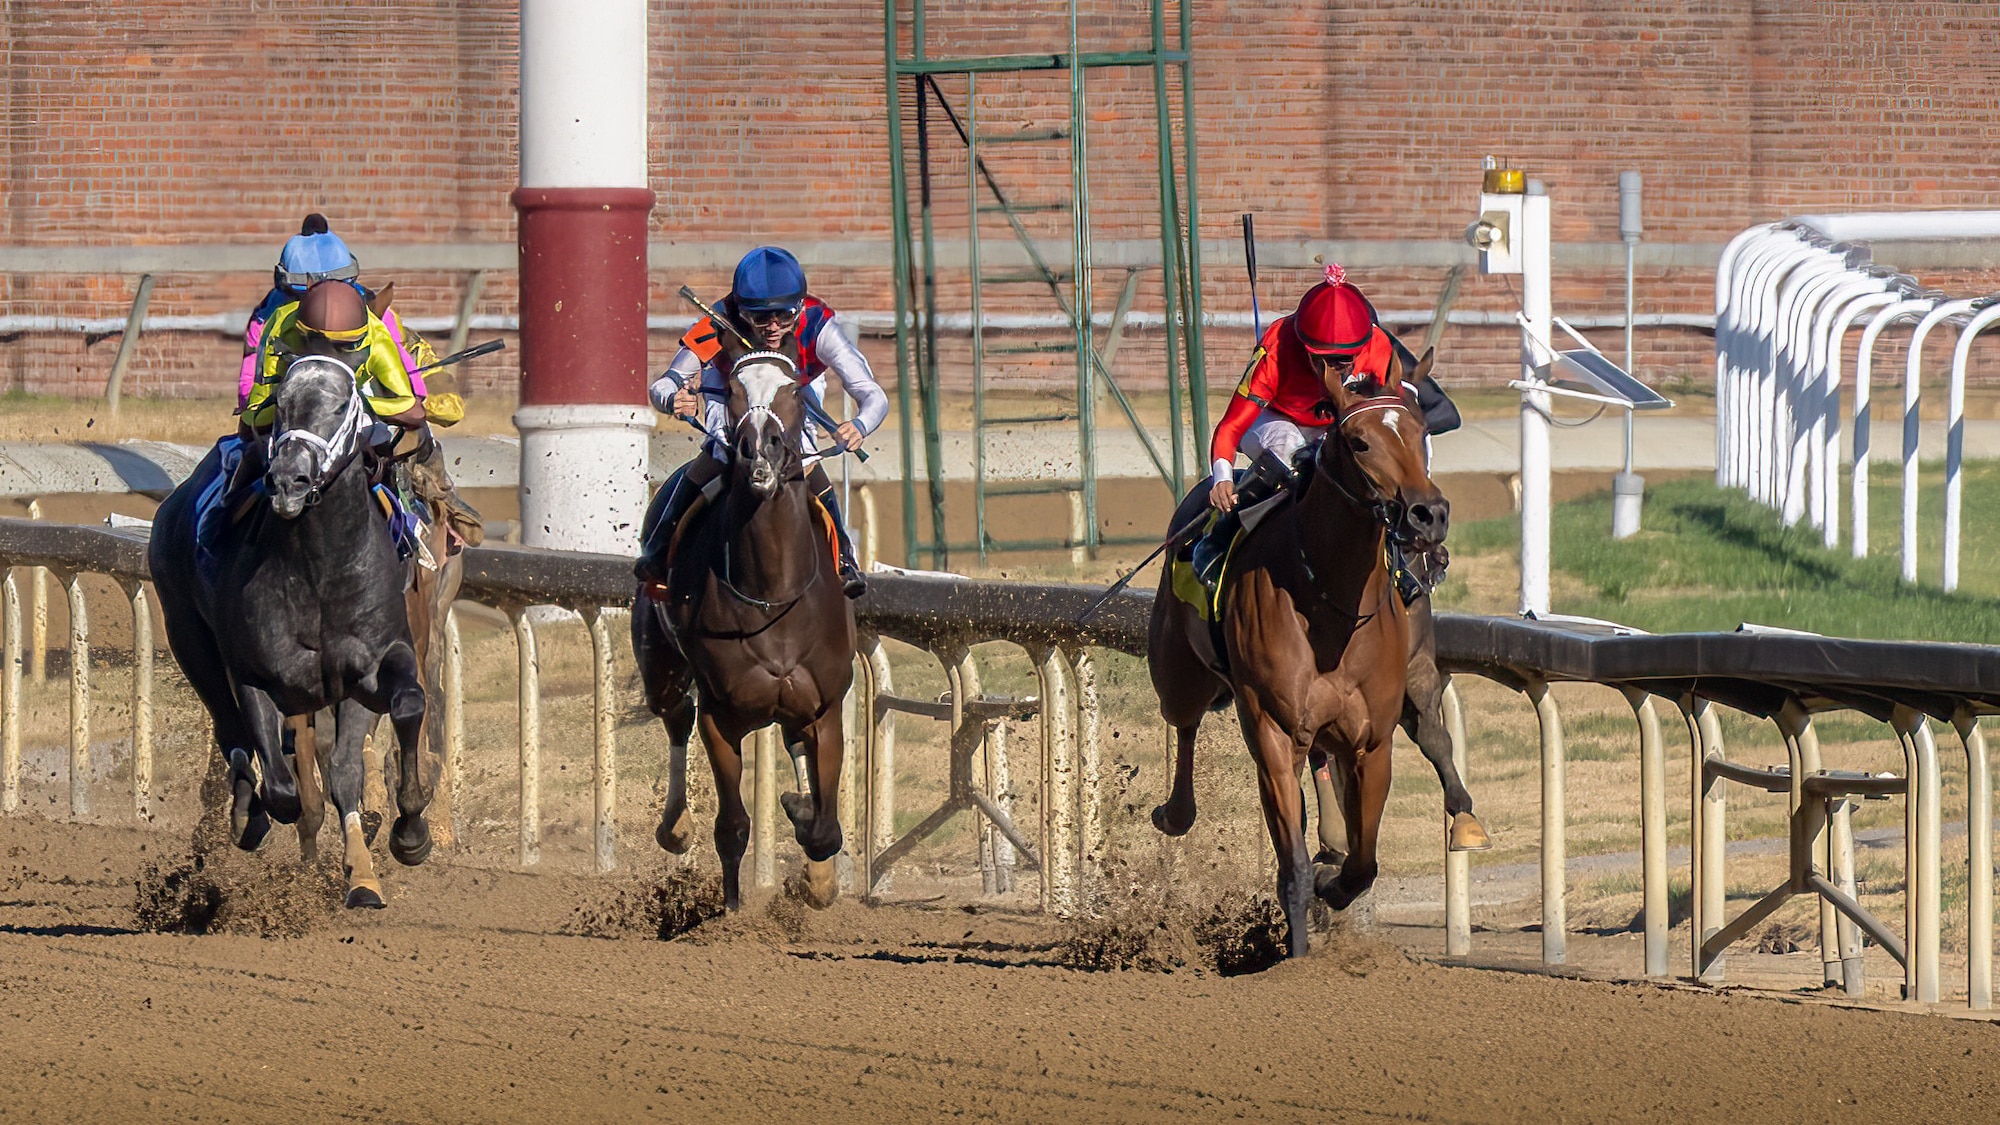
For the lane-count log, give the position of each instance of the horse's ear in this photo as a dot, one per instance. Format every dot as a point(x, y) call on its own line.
point(379, 303)
point(1423, 366)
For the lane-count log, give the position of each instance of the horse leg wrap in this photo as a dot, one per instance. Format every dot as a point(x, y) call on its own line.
point(364, 890)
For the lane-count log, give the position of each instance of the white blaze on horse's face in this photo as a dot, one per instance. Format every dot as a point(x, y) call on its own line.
point(760, 433)
point(318, 423)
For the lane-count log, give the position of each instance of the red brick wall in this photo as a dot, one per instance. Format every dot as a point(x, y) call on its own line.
point(224, 120)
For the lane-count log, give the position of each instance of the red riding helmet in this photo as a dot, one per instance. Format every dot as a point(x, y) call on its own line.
point(1333, 317)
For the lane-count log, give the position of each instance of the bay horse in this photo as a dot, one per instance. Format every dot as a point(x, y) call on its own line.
point(301, 608)
point(752, 617)
point(1317, 641)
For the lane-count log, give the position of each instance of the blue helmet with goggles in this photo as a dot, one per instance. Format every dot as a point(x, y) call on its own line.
point(314, 254)
point(769, 280)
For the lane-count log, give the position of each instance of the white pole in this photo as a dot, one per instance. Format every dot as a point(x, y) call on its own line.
point(1913, 370)
point(1954, 450)
point(582, 209)
point(1832, 337)
point(1864, 366)
point(1820, 277)
point(1537, 305)
point(1728, 272)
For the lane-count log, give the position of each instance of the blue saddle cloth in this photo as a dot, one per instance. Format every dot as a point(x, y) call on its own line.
point(210, 514)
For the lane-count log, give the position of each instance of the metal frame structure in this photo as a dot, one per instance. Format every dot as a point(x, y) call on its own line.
point(915, 264)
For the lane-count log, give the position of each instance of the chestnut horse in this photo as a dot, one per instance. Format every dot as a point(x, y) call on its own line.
point(1317, 641)
point(753, 613)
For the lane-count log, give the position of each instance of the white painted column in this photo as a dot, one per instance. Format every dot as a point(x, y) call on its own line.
point(1538, 307)
point(583, 204)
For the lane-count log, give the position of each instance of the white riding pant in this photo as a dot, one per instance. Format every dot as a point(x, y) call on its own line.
point(1279, 435)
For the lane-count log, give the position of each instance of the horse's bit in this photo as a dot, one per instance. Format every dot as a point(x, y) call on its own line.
point(328, 455)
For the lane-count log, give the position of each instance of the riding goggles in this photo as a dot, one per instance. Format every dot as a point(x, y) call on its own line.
point(338, 336)
point(762, 317)
point(301, 281)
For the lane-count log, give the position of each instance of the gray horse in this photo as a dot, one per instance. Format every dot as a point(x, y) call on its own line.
point(295, 606)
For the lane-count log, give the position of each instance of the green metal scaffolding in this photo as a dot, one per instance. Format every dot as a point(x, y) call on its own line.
point(916, 271)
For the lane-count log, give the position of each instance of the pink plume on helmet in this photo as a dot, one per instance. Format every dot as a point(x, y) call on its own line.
point(1336, 274)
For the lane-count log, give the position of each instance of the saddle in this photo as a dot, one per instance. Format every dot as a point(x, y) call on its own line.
point(829, 529)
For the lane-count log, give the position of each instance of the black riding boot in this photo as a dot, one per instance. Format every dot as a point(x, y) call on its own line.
point(851, 582)
point(1267, 475)
point(664, 514)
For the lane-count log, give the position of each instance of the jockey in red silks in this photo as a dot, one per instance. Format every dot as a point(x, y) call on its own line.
point(767, 303)
point(1280, 408)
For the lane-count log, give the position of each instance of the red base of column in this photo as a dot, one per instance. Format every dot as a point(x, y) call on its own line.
point(583, 294)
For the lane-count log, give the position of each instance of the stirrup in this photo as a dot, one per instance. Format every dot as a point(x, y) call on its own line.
point(851, 582)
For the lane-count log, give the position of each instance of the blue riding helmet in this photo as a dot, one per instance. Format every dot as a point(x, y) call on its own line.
point(307, 258)
point(769, 280)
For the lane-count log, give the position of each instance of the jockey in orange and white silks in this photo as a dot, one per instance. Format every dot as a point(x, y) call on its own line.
point(767, 303)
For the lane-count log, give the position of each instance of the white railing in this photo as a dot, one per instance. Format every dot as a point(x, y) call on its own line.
point(1786, 295)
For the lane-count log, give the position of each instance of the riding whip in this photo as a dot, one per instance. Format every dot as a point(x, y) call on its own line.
point(474, 352)
point(1250, 259)
point(814, 410)
point(1173, 539)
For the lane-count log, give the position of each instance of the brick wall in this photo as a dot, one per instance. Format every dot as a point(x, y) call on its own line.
point(224, 120)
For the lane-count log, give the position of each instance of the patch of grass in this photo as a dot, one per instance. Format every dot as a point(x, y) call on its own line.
point(1710, 559)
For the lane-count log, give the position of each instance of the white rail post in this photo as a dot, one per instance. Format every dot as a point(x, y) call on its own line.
point(1864, 367)
point(1840, 847)
point(1978, 863)
point(853, 761)
point(962, 674)
point(1912, 388)
point(1802, 744)
point(1059, 835)
point(1555, 853)
point(1652, 827)
point(142, 700)
point(1706, 840)
point(1954, 436)
point(1000, 785)
point(531, 735)
point(881, 795)
point(1921, 841)
point(10, 693)
point(79, 698)
point(38, 609)
point(1457, 865)
point(1833, 341)
point(764, 810)
point(1728, 272)
point(454, 718)
point(1091, 841)
point(604, 763)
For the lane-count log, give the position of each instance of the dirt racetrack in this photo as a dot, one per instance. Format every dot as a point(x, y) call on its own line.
point(467, 1001)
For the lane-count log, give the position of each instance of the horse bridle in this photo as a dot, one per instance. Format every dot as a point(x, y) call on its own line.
point(1381, 507)
point(328, 455)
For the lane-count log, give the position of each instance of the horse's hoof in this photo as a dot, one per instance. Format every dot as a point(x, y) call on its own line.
point(675, 837)
point(799, 808)
point(1329, 857)
point(371, 823)
point(1464, 833)
point(365, 896)
point(817, 886)
point(247, 822)
point(410, 840)
point(1332, 890)
point(1170, 822)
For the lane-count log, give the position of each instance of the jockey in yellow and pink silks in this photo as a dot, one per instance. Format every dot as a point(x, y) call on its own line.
point(314, 254)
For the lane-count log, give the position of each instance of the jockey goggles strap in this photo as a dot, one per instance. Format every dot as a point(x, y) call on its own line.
point(342, 335)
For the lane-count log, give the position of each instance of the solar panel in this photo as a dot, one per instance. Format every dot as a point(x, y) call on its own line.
point(1585, 370)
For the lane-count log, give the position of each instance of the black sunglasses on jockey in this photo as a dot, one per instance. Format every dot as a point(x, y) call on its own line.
point(765, 317)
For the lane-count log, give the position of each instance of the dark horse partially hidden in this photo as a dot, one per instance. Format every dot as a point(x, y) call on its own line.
point(300, 606)
point(753, 613)
point(1317, 640)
